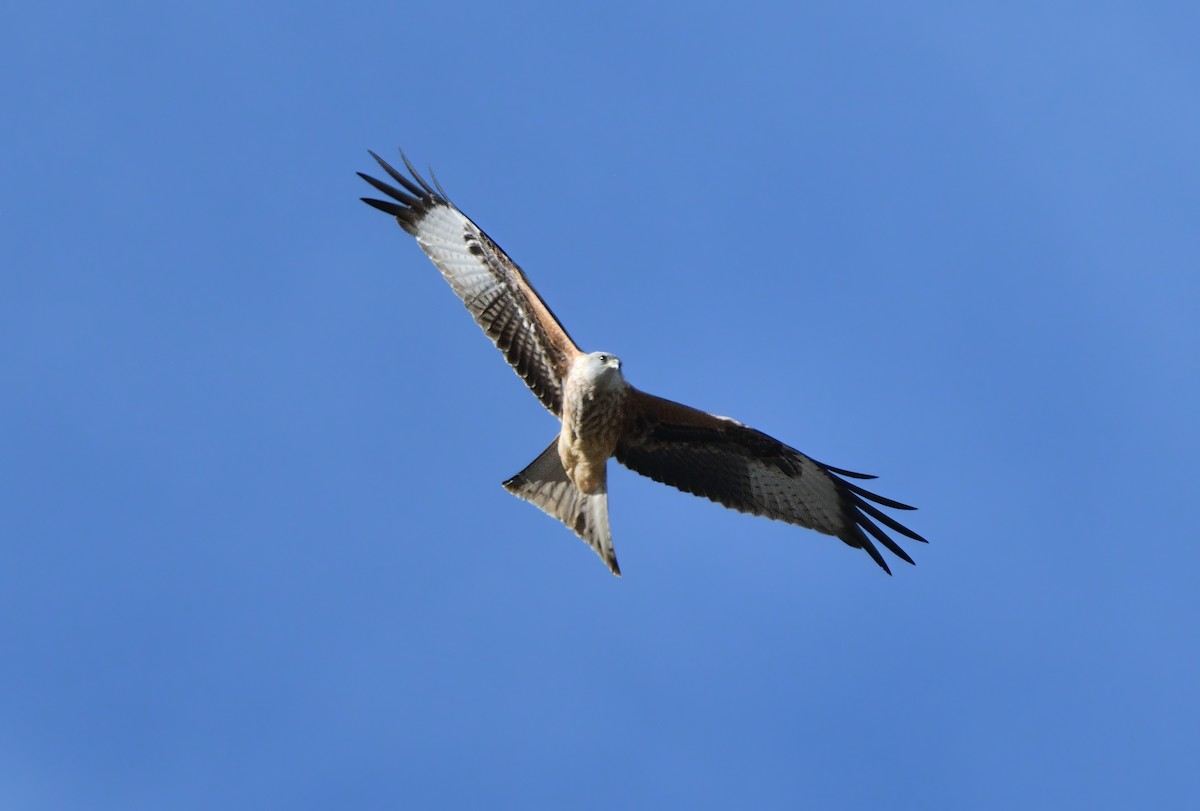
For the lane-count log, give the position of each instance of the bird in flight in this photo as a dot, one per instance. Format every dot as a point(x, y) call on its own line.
point(603, 416)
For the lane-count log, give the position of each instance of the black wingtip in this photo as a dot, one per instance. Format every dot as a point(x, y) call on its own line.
point(437, 185)
point(878, 499)
point(876, 556)
point(385, 206)
point(416, 189)
point(876, 513)
point(429, 190)
point(881, 536)
point(844, 472)
point(391, 191)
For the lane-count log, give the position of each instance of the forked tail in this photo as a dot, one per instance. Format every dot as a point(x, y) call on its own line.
point(545, 485)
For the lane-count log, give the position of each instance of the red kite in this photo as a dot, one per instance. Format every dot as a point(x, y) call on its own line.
point(603, 416)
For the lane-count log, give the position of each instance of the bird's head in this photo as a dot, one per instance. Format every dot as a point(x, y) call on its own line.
point(603, 367)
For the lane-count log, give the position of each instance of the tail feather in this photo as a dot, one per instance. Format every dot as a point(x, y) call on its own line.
point(545, 485)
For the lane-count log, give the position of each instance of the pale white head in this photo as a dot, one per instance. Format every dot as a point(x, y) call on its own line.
point(602, 369)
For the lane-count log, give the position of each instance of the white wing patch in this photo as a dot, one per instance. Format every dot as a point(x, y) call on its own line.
point(446, 236)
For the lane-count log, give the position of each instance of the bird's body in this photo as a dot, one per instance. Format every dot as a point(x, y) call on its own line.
point(594, 395)
point(604, 417)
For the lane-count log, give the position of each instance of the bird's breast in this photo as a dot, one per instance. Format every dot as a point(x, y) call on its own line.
point(591, 428)
point(594, 416)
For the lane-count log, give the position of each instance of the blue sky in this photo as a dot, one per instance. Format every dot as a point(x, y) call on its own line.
point(255, 552)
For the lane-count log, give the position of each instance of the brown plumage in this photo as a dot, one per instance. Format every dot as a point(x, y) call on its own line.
point(603, 416)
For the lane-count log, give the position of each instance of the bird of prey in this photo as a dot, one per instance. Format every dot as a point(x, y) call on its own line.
point(603, 416)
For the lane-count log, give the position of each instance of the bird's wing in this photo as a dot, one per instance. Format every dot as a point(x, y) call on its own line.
point(490, 284)
point(732, 464)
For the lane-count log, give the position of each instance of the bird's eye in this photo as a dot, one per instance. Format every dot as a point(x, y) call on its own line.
point(604, 358)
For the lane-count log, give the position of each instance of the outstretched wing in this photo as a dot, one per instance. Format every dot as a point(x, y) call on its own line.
point(745, 469)
point(490, 284)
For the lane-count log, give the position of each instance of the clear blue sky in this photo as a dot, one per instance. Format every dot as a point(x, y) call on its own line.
point(255, 552)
